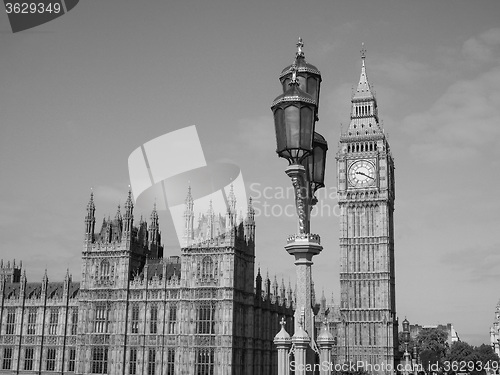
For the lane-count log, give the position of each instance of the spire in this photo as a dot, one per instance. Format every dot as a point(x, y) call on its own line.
point(128, 217)
point(267, 285)
point(45, 281)
point(210, 221)
point(129, 206)
point(250, 221)
point(90, 219)
point(118, 215)
point(258, 282)
point(275, 286)
point(364, 111)
point(154, 238)
point(91, 205)
point(290, 292)
point(231, 199)
point(189, 219)
point(189, 198)
point(283, 290)
point(363, 91)
point(231, 211)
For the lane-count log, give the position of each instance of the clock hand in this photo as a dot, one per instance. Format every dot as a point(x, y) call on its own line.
point(364, 174)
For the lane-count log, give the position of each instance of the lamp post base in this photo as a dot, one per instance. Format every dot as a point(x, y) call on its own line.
point(303, 247)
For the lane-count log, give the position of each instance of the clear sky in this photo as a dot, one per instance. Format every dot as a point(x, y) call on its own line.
point(79, 94)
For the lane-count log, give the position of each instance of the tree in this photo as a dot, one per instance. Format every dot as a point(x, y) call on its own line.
point(433, 346)
point(463, 357)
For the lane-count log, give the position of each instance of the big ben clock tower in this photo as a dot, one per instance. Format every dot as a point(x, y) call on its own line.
point(365, 170)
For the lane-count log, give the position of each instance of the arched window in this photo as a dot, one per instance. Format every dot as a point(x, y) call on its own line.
point(105, 270)
point(207, 268)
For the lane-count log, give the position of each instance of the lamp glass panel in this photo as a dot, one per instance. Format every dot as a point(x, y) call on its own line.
point(285, 84)
point(312, 87)
point(280, 129)
point(302, 82)
point(292, 126)
point(319, 168)
point(306, 128)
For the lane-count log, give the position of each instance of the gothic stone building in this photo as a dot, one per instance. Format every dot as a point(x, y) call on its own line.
point(137, 312)
point(365, 168)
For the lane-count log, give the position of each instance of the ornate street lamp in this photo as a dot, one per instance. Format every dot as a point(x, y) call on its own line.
point(295, 115)
point(406, 340)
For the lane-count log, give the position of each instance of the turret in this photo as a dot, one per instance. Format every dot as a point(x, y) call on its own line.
point(275, 287)
point(290, 293)
point(154, 228)
point(128, 218)
point(23, 281)
point(258, 283)
point(90, 220)
point(267, 285)
point(323, 301)
point(189, 219)
point(231, 211)
point(67, 283)
point(45, 283)
point(154, 236)
point(2, 285)
point(250, 222)
point(116, 227)
point(210, 222)
point(283, 290)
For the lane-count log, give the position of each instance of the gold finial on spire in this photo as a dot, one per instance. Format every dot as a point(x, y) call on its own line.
point(363, 51)
point(300, 45)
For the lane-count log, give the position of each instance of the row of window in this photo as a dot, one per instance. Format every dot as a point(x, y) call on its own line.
point(99, 363)
point(29, 354)
point(363, 110)
point(362, 147)
point(207, 269)
point(205, 320)
point(153, 319)
point(151, 362)
point(10, 326)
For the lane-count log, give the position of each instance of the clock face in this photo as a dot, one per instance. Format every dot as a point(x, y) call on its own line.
point(362, 173)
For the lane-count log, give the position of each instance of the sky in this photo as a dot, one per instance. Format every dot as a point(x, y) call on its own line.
point(80, 93)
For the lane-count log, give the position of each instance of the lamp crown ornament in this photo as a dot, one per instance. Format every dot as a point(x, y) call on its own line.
point(300, 45)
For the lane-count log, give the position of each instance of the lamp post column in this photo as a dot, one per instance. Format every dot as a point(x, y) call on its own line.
point(303, 247)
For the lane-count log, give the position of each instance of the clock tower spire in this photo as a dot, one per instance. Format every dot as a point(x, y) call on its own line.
point(365, 170)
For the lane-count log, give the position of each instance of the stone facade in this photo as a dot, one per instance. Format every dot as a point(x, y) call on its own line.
point(137, 312)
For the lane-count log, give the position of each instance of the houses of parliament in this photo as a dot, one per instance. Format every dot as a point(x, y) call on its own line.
point(205, 312)
point(137, 312)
